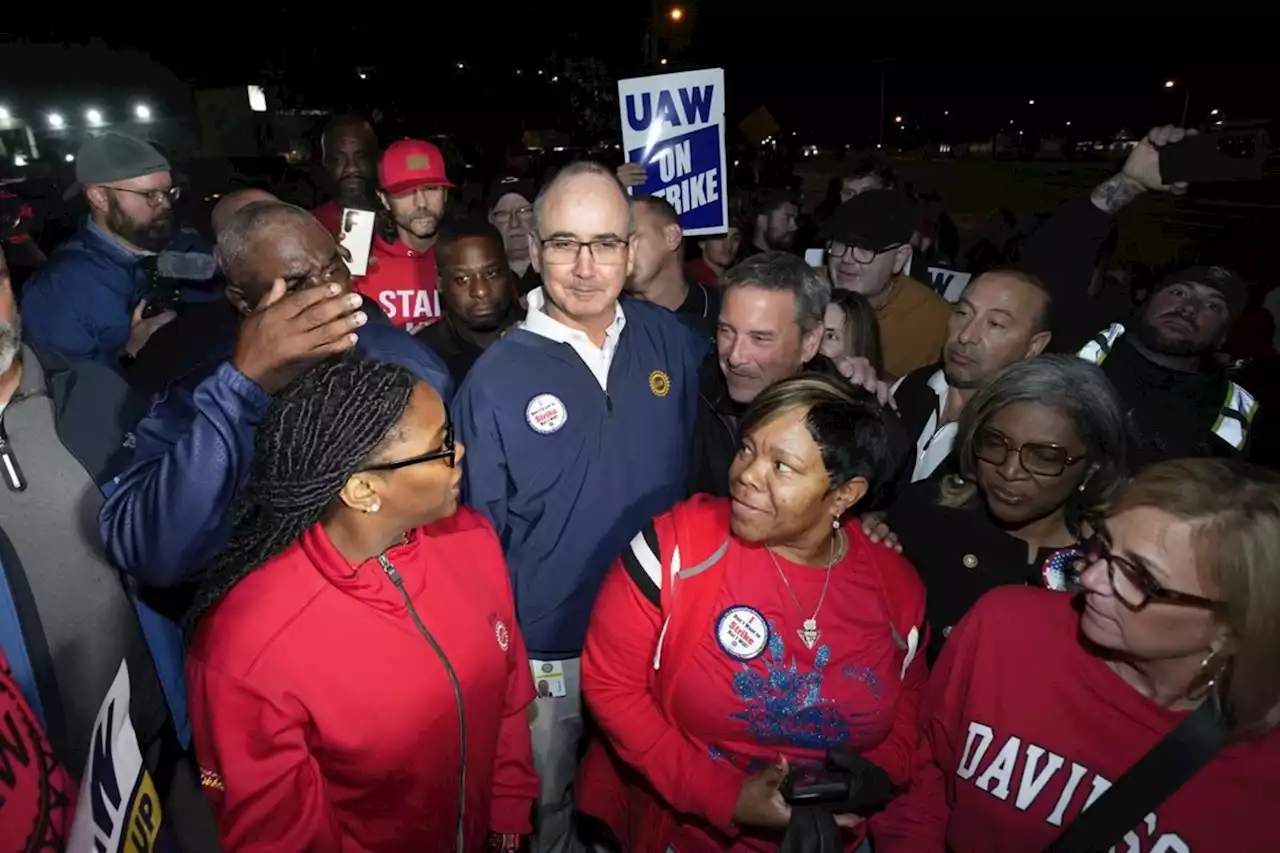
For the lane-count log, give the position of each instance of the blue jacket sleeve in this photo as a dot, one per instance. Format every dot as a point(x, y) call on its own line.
point(64, 312)
point(385, 342)
point(484, 473)
point(169, 513)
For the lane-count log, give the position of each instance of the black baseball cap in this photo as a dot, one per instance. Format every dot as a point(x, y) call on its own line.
point(875, 219)
point(526, 188)
point(1233, 288)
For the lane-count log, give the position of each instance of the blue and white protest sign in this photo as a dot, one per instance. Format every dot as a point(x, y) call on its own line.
point(673, 124)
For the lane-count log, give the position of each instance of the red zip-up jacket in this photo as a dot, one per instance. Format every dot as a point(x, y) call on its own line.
point(1022, 728)
point(324, 721)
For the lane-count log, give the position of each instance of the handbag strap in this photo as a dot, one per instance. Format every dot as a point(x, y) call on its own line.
point(1165, 768)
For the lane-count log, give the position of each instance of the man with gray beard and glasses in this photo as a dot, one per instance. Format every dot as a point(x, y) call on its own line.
point(69, 627)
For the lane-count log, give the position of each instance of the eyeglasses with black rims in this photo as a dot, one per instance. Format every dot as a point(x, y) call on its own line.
point(1133, 584)
point(861, 254)
point(447, 452)
point(1037, 458)
point(607, 251)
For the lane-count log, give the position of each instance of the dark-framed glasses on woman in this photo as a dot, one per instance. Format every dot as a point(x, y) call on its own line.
point(1044, 460)
point(446, 452)
point(1133, 584)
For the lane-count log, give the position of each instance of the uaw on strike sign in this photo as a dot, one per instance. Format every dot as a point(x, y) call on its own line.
point(673, 124)
point(118, 809)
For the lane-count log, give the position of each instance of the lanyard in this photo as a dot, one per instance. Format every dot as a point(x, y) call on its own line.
point(9, 468)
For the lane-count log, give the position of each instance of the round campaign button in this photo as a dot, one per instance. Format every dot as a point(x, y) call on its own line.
point(546, 413)
point(742, 632)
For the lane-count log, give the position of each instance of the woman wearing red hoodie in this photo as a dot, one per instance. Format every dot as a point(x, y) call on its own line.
point(738, 639)
point(356, 678)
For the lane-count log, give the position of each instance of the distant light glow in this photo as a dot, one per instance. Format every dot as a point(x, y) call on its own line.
point(257, 99)
point(1169, 84)
point(1068, 124)
point(1031, 103)
point(555, 78)
point(662, 61)
point(1212, 112)
point(5, 115)
point(676, 14)
point(94, 117)
point(56, 121)
point(70, 158)
point(142, 112)
point(19, 160)
point(897, 119)
point(461, 65)
point(946, 112)
point(362, 75)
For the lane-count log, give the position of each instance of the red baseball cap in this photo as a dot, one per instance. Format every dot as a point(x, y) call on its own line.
point(409, 164)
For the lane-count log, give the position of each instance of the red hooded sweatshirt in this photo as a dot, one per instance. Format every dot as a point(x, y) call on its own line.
point(403, 282)
point(1023, 728)
point(710, 685)
point(324, 721)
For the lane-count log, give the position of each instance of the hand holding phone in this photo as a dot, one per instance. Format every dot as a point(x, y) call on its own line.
point(356, 236)
point(1212, 157)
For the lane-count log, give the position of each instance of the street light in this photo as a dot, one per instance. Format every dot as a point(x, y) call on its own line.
point(897, 119)
point(142, 112)
point(676, 14)
point(56, 121)
point(1169, 84)
point(94, 117)
point(662, 61)
point(70, 158)
point(1031, 103)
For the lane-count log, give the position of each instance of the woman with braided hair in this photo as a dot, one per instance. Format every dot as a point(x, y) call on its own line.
point(356, 678)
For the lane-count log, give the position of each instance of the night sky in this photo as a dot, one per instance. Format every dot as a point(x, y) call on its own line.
point(815, 70)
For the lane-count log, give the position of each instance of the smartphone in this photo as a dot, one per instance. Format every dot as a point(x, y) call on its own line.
point(815, 257)
point(829, 785)
point(356, 236)
point(1211, 157)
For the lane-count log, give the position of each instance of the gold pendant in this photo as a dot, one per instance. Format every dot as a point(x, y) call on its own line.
point(809, 634)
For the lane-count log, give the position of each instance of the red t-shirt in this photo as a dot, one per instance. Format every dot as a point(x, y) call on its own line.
point(1022, 727)
point(792, 700)
point(329, 215)
point(403, 282)
point(701, 272)
point(37, 797)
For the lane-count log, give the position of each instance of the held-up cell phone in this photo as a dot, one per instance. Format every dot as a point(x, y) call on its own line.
point(826, 786)
point(815, 257)
point(356, 236)
point(1211, 157)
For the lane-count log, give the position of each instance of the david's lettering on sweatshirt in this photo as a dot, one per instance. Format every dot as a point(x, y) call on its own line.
point(1038, 779)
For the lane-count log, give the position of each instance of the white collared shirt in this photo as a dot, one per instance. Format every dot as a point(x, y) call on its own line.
point(597, 359)
point(933, 445)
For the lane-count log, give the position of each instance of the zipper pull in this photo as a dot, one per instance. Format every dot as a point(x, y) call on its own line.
point(389, 569)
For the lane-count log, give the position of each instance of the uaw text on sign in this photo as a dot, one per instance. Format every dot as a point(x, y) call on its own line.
point(673, 124)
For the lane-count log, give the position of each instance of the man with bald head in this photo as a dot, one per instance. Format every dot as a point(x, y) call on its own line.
point(232, 202)
point(349, 152)
point(1001, 318)
point(577, 425)
point(289, 304)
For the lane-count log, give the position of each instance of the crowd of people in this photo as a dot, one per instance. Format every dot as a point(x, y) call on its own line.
point(553, 531)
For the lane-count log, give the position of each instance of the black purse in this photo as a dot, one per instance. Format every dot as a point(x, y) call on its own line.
point(1165, 768)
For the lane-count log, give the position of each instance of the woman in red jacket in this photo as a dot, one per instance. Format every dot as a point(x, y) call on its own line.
point(1039, 705)
point(356, 678)
point(738, 639)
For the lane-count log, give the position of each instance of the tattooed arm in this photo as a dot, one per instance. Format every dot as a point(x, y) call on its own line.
point(1115, 192)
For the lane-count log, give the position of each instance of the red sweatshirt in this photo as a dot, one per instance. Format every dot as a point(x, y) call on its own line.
point(325, 723)
point(37, 797)
point(403, 283)
point(726, 717)
point(329, 215)
point(1022, 728)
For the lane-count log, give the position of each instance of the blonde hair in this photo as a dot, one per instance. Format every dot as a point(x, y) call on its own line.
point(1234, 512)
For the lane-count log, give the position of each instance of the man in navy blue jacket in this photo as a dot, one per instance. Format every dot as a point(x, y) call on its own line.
point(167, 515)
point(577, 426)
